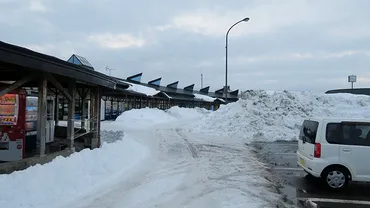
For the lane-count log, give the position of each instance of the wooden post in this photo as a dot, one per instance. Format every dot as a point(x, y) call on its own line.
point(84, 109)
point(96, 102)
point(118, 103)
point(98, 105)
point(92, 110)
point(126, 103)
point(56, 113)
point(105, 109)
point(83, 114)
point(111, 108)
point(41, 116)
point(71, 113)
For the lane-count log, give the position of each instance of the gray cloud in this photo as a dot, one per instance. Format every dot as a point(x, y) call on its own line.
point(290, 44)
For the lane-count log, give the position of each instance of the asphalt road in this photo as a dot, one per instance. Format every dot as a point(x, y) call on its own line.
point(297, 187)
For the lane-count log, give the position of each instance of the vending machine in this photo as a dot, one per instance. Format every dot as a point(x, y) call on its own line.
point(31, 121)
point(12, 125)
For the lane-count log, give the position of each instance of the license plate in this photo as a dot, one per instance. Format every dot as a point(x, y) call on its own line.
point(301, 161)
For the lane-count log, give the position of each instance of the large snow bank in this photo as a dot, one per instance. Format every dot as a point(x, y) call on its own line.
point(278, 115)
point(139, 118)
point(187, 113)
point(146, 117)
point(72, 177)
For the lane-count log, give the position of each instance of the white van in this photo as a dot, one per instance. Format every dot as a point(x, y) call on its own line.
point(336, 150)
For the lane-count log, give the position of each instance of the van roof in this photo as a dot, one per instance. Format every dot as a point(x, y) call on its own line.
point(338, 119)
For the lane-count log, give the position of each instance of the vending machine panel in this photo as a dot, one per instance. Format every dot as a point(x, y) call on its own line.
point(12, 125)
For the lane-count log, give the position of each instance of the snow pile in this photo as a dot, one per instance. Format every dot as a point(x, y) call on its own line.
point(139, 118)
point(72, 177)
point(146, 117)
point(111, 136)
point(187, 113)
point(278, 115)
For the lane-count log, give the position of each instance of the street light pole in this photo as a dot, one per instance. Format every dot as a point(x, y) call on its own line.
point(227, 35)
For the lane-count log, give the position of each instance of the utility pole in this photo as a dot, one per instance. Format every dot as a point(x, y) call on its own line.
point(109, 69)
point(201, 81)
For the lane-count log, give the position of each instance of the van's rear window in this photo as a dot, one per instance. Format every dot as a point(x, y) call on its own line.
point(309, 131)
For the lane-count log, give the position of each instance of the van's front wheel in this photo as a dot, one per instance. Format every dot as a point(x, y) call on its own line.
point(335, 178)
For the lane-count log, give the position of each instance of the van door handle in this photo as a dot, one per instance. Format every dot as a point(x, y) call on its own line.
point(346, 150)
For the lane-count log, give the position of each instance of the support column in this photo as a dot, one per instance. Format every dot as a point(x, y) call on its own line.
point(105, 109)
point(95, 142)
point(41, 116)
point(71, 113)
point(56, 113)
point(95, 100)
point(83, 114)
point(92, 110)
point(111, 108)
point(84, 109)
point(134, 102)
point(118, 111)
point(127, 104)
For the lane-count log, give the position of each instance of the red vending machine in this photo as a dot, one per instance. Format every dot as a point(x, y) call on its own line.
point(12, 125)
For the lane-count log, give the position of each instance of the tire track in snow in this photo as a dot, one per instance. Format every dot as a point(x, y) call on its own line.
point(191, 148)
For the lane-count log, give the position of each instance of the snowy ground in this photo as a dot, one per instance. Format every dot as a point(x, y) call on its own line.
point(179, 158)
point(185, 169)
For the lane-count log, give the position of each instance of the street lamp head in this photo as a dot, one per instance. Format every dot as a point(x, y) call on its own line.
point(246, 19)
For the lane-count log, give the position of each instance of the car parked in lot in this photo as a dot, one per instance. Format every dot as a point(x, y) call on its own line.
point(337, 150)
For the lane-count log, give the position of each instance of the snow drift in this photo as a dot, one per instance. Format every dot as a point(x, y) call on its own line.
point(146, 117)
point(187, 113)
point(68, 178)
point(271, 116)
point(139, 118)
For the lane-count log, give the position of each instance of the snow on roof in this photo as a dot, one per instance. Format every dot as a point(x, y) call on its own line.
point(169, 97)
point(141, 89)
point(204, 97)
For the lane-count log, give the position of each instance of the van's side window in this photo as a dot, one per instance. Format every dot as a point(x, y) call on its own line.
point(333, 133)
point(348, 133)
point(356, 134)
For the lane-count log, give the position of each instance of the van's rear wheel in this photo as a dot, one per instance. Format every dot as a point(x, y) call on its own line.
point(335, 178)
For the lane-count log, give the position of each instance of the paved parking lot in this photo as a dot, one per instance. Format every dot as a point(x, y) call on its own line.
point(297, 187)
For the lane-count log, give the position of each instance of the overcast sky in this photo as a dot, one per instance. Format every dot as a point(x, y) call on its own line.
point(287, 44)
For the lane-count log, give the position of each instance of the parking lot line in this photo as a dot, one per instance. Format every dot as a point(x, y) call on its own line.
point(344, 201)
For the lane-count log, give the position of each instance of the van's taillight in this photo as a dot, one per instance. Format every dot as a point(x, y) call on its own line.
point(317, 151)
